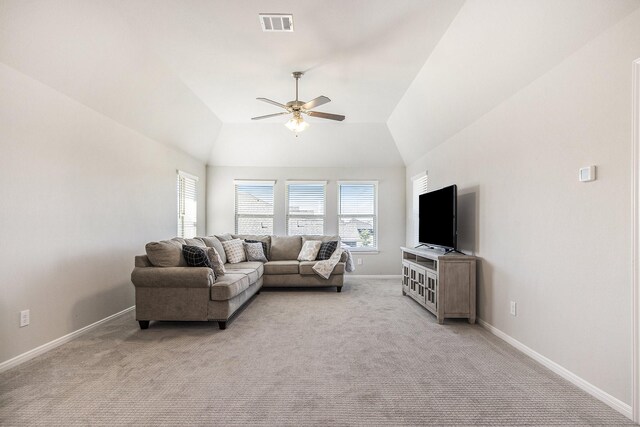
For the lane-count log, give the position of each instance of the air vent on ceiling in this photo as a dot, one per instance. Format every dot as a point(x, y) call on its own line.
point(276, 22)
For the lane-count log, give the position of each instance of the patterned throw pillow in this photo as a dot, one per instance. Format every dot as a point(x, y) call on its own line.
point(255, 252)
point(326, 250)
point(195, 256)
point(264, 246)
point(309, 250)
point(216, 262)
point(234, 250)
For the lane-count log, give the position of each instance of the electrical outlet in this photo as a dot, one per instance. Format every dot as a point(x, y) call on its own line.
point(24, 318)
point(359, 261)
point(513, 308)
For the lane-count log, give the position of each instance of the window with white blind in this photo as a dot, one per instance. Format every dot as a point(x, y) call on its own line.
point(254, 207)
point(305, 207)
point(358, 215)
point(187, 205)
point(420, 182)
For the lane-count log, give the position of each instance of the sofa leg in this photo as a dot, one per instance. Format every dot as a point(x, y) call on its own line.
point(222, 324)
point(339, 289)
point(144, 324)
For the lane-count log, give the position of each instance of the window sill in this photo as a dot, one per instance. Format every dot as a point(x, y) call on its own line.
point(364, 252)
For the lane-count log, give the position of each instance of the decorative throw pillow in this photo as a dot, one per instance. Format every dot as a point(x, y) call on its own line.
point(326, 250)
point(234, 251)
point(264, 247)
point(196, 256)
point(216, 262)
point(309, 250)
point(213, 242)
point(255, 252)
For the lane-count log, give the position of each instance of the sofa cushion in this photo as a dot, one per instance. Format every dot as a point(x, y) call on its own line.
point(166, 253)
point(251, 265)
point(254, 251)
point(322, 238)
point(306, 268)
point(309, 250)
point(281, 267)
point(252, 238)
point(251, 273)
point(285, 248)
point(213, 242)
point(228, 286)
point(326, 250)
point(224, 237)
point(234, 250)
point(195, 242)
point(196, 256)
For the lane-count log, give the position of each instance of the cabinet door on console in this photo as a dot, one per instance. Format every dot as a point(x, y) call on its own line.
point(431, 297)
point(405, 276)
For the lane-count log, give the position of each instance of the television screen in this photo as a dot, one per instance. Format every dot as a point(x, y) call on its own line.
point(437, 218)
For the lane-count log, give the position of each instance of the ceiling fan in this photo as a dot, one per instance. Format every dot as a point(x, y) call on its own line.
point(297, 108)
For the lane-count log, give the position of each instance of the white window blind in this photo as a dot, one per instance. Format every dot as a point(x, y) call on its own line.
point(420, 182)
point(305, 207)
point(187, 205)
point(358, 215)
point(254, 207)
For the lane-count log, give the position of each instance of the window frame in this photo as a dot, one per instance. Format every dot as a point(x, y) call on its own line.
point(376, 228)
point(423, 179)
point(324, 208)
point(255, 182)
point(181, 177)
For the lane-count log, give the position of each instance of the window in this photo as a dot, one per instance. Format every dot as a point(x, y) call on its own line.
point(187, 205)
point(420, 182)
point(305, 207)
point(254, 207)
point(358, 215)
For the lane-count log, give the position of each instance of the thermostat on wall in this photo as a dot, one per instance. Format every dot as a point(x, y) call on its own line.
point(587, 174)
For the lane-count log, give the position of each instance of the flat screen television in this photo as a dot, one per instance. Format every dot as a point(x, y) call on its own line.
point(437, 213)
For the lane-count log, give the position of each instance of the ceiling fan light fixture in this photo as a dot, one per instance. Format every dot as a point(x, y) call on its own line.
point(296, 123)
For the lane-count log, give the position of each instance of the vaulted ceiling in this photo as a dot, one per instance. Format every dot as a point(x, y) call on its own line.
point(408, 74)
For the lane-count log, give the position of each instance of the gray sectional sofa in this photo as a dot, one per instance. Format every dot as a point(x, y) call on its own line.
point(194, 293)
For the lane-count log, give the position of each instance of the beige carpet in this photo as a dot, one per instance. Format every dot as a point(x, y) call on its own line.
point(366, 356)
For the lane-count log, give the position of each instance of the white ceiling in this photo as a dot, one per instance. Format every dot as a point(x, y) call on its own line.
point(187, 72)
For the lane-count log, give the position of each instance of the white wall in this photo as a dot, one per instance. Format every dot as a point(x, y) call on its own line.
point(391, 202)
point(81, 195)
point(560, 248)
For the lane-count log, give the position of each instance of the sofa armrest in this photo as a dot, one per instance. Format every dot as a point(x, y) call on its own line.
point(172, 277)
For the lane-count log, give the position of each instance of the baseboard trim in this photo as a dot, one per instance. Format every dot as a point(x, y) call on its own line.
point(594, 391)
point(374, 276)
point(24, 357)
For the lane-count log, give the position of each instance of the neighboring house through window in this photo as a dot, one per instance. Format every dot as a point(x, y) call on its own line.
point(306, 202)
point(187, 205)
point(254, 207)
point(358, 214)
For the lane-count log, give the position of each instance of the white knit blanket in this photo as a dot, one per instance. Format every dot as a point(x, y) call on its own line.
point(325, 268)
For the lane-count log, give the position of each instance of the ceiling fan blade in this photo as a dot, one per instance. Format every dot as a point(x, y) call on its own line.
point(325, 115)
point(268, 101)
point(321, 100)
point(269, 115)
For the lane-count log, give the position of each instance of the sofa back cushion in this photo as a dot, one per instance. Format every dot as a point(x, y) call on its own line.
point(323, 239)
point(285, 248)
point(166, 253)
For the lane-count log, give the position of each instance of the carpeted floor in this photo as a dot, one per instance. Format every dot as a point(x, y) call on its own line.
point(366, 356)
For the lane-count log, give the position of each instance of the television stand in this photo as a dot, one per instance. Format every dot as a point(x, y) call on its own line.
point(443, 284)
